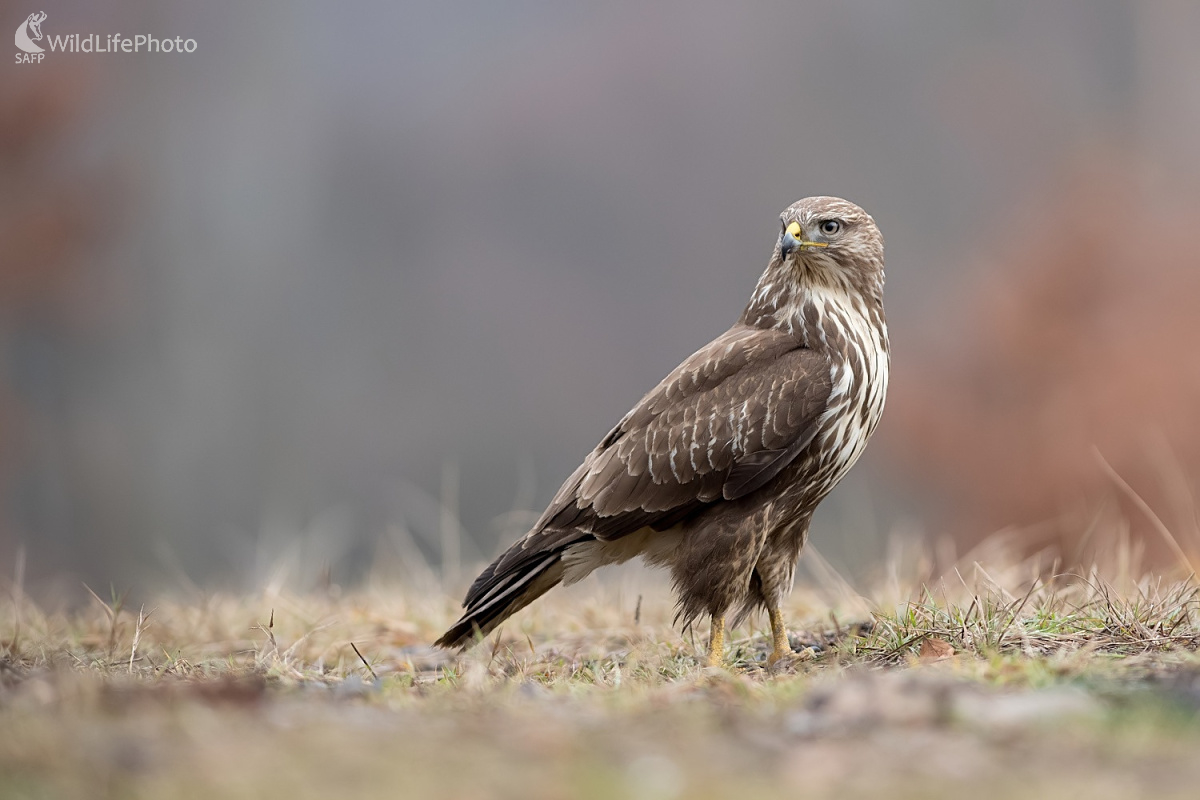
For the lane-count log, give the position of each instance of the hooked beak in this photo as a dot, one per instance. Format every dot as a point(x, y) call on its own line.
point(791, 240)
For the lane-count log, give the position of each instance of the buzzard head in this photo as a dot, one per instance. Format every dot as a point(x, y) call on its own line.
point(830, 240)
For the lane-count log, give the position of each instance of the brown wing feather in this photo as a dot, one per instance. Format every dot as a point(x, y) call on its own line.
point(721, 425)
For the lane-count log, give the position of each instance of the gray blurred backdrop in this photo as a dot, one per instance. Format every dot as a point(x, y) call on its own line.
point(353, 273)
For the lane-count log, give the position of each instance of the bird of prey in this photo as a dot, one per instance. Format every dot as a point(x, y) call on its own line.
point(716, 472)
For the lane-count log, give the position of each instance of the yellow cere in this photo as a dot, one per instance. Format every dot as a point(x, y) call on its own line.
point(794, 229)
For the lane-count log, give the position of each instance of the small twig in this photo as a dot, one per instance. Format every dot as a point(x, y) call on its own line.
point(366, 664)
point(107, 611)
point(292, 649)
point(113, 613)
point(967, 618)
point(137, 634)
point(1155, 521)
point(495, 648)
point(270, 632)
point(1013, 617)
point(18, 592)
point(637, 611)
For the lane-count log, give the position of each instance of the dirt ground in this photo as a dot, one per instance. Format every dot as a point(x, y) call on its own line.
point(1013, 684)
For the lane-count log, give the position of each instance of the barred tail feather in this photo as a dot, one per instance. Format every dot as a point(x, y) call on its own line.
point(494, 597)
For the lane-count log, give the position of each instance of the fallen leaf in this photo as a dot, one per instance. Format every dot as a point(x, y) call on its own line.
point(935, 649)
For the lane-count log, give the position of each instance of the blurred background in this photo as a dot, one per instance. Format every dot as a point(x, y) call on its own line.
point(358, 285)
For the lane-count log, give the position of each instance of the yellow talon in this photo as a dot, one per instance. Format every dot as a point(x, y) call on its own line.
point(716, 643)
point(779, 641)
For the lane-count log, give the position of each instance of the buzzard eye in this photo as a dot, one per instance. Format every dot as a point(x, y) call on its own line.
point(830, 226)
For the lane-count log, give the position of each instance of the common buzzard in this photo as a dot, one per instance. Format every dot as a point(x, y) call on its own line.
point(716, 472)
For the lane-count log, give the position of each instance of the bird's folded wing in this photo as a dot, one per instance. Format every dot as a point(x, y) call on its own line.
point(721, 425)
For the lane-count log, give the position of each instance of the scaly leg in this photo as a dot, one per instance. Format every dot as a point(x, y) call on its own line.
point(779, 641)
point(716, 642)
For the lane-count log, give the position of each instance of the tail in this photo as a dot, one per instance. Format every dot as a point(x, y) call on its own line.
point(511, 582)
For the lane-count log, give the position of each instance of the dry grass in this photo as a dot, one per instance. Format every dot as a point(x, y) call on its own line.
point(999, 679)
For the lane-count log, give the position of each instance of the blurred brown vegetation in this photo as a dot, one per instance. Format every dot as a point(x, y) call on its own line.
point(1071, 405)
point(43, 220)
point(259, 301)
point(48, 217)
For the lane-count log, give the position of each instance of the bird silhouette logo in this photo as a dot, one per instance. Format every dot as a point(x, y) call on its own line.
point(30, 31)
